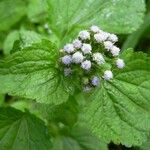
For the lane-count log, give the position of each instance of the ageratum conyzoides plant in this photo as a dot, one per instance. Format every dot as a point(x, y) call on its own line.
point(66, 83)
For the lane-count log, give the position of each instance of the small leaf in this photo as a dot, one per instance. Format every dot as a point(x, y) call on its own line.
point(119, 110)
point(68, 17)
point(32, 73)
point(11, 11)
point(22, 130)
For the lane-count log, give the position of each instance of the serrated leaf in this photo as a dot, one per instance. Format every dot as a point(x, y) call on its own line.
point(78, 138)
point(68, 17)
point(22, 130)
point(11, 11)
point(119, 110)
point(26, 37)
point(31, 73)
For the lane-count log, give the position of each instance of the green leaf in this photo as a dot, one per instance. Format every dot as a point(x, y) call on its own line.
point(68, 17)
point(66, 113)
point(20, 130)
point(32, 73)
point(119, 111)
point(37, 10)
point(134, 38)
point(9, 41)
point(27, 38)
point(78, 138)
point(11, 11)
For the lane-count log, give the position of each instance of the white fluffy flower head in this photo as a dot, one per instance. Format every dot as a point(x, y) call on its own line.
point(86, 48)
point(91, 57)
point(69, 48)
point(108, 75)
point(108, 45)
point(101, 37)
point(77, 43)
point(120, 63)
point(67, 59)
point(115, 51)
point(84, 35)
point(98, 58)
point(77, 57)
point(86, 65)
point(95, 29)
point(113, 38)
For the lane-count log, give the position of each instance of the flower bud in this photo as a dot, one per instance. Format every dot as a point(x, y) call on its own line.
point(77, 43)
point(95, 29)
point(115, 51)
point(67, 59)
point(95, 81)
point(98, 58)
point(108, 45)
point(77, 57)
point(69, 48)
point(84, 35)
point(108, 75)
point(86, 48)
point(120, 63)
point(113, 38)
point(86, 65)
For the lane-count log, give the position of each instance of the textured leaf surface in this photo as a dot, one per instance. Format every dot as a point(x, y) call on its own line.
point(120, 16)
point(120, 109)
point(11, 11)
point(22, 131)
point(78, 138)
point(26, 37)
point(31, 73)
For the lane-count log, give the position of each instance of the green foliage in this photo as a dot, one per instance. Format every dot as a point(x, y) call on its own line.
point(67, 17)
point(24, 37)
point(22, 130)
point(134, 38)
point(51, 108)
point(32, 73)
point(37, 10)
point(119, 109)
point(78, 138)
point(11, 11)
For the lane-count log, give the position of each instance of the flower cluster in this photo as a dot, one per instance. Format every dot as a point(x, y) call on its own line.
point(91, 57)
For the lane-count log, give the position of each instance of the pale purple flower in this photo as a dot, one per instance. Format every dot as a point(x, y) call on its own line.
point(67, 59)
point(95, 29)
point(86, 48)
point(77, 43)
point(95, 81)
point(108, 45)
point(120, 63)
point(69, 48)
point(86, 64)
point(115, 51)
point(98, 58)
point(84, 35)
point(77, 57)
point(108, 75)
